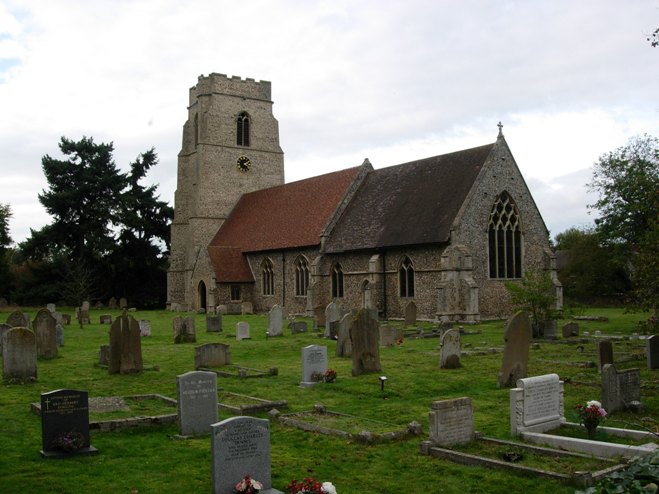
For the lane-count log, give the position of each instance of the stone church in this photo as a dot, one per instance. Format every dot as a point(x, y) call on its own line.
point(445, 232)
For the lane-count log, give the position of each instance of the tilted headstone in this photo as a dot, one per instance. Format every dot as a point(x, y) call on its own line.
point(652, 351)
point(105, 319)
point(314, 364)
point(242, 331)
point(297, 327)
point(196, 393)
point(365, 336)
point(343, 343)
point(123, 303)
point(65, 423)
point(451, 422)
point(51, 308)
point(145, 327)
point(19, 355)
point(570, 329)
point(211, 355)
point(620, 388)
point(449, 353)
point(17, 320)
point(517, 339)
point(46, 334)
point(246, 308)
point(240, 446)
point(536, 404)
point(604, 353)
point(213, 323)
point(184, 329)
point(112, 303)
point(125, 346)
point(276, 321)
point(318, 317)
point(59, 334)
point(410, 313)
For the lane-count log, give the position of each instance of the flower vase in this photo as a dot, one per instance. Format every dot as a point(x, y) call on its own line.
point(591, 427)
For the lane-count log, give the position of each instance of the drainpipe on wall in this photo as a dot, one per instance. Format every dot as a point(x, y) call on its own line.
point(283, 279)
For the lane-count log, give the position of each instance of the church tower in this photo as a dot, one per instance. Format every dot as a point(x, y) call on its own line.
point(230, 147)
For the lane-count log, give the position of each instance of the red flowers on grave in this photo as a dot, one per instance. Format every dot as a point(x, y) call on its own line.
point(310, 486)
point(69, 442)
point(329, 376)
point(590, 415)
point(248, 486)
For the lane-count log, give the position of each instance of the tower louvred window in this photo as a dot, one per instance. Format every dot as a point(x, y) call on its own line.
point(242, 130)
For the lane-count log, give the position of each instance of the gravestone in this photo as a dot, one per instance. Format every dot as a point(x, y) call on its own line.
point(652, 351)
point(343, 343)
point(125, 346)
point(3, 329)
point(604, 353)
point(318, 317)
point(51, 308)
point(451, 422)
point(410, 314)
point(82, 315)
point(196, 393)
point(123, 303)
point(333, 314)
point(364, 336)
point(389, 335)
point(242, 331)
point(98, 305)
point(59, 334)
point(314, 364)
point(104, 355)
point(620, 388)
point(213, 323)
point(58, 317)
point(46, 334)
point(3, 303)
point(211, 355)
point(112, 303)
point(298, 327)
point(517, 338)
point(17, 320)
point(449, 353)
point(66, 319)
point(246, 308)
point(549, 329)
point(19, 355)
point(570, 329)
point(184, 329)
point(65, 423)
point(85, 306)
point(276, 321)
point(536, 404)
point(105, 319)
point(240, 446)
point(145, 327)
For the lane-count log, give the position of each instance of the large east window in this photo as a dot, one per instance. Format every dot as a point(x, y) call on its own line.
point(505, 239)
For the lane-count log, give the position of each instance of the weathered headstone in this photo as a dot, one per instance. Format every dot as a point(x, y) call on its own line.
point(46, 334)
point(570, 329)
point(549, 329)
point(276, 321)
point(314, 364)
point(242, 331)
point(105, 319)
point(451, 422)
point(104, 355)
point(536, 404)
point(51, 308)
point(297, 327)
point(19, 355)
point(125, 346)
point(196, 393)
point(620, 388)
point(59, 334)
point(221, 309)
point(3, 329)
point(652, 351)
point(449, 353)
point(240, 446)
point(17, 320)
point(517, 339)
point(333, 314)
point(112, 303)
point(66, 319)
point(82, 315)
point(123, 303)
point(410, 313)
point(318, 317)
point(184, 329)
point(3, 303)
point(604, 353)
point(388, 335)
point(98, 305)
point(145, 327)
point(246, 308)
point(211, 355)
point(364, 336)
point(213, 323)
point(343, 343)
point(65, 423)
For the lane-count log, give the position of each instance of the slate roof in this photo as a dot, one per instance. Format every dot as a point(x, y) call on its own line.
point(409, 204)
point(282, 217)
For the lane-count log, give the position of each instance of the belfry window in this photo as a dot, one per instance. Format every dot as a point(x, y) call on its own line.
point(242, 129)
point(505, 239)
point(196, 129)
point(337, 281)
point(267, 277)
point(301, 276)
point(406, 278)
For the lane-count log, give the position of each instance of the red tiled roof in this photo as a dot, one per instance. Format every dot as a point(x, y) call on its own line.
point(286, 216)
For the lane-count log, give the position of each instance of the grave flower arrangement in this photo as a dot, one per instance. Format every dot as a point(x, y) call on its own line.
point(310, 486)
point(329, 376)
point(590, 415)
point(248, 486)
point(69, 442)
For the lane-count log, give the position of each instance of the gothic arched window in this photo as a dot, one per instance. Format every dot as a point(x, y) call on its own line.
point(196, 129)
point(242, 129)
point(406, 278)
point(337, 281)
point(267, 277)
point(301, 276)
point(505, 239)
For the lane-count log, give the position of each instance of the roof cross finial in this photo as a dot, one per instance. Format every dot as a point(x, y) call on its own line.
point(500, 125)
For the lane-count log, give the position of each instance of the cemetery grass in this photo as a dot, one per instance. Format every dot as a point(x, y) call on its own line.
point(149, 459)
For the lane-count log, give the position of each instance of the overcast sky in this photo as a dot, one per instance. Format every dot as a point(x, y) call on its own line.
point(392, 81)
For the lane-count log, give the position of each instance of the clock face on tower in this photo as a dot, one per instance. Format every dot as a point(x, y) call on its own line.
point(243, 164)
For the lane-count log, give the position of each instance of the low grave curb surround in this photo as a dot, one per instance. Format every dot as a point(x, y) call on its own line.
point(242, 372)
point(260, 404)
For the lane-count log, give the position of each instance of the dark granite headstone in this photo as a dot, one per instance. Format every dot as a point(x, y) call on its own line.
point(297, 327)
point(652, 350)
point(604, 353)
point(65, 423)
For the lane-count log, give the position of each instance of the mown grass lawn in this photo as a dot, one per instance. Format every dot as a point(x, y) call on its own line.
point(148, 460)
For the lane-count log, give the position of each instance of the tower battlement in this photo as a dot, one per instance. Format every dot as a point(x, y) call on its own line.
point(215, 83)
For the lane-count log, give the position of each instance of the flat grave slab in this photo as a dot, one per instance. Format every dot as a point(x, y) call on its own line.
point(241, 372)
point(247, 405)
